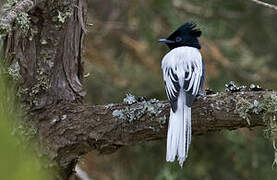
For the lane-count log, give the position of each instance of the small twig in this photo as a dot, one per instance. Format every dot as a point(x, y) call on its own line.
point(271, 6)
point(9, 16)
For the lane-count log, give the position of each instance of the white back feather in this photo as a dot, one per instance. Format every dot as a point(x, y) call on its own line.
point(180, 61)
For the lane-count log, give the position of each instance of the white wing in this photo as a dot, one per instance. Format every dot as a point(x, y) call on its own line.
point(183, 69)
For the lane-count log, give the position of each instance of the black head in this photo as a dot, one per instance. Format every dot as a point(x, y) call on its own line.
point(185, 35)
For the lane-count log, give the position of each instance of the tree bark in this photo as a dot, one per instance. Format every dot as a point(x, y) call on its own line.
point(43, 42)
point(51, 92)
point(71, 129)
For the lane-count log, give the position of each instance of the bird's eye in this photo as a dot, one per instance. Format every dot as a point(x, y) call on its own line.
point(178, 39)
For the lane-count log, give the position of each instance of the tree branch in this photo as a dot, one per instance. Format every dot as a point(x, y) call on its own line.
point(271, 6)
point(75, 129)
point(9, 16)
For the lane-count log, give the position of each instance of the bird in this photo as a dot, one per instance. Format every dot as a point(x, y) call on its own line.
point(183, 71)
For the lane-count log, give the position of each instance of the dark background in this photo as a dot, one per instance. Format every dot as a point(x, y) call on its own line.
point(122, 56)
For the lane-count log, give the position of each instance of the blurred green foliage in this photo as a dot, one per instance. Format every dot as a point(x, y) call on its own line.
point(238, 43)
point(18, 160)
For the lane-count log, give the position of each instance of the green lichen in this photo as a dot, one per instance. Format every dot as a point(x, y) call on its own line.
point(9, 4)
point(43, 80)
point(21, 91)
point(270, 118)
point(244, 108)
point(4, 28)
point(269, 106)
point(151, 108)
point(42, 84)
point(268, 111)
point(23, 22)
point(13, 71)
point(62, 16)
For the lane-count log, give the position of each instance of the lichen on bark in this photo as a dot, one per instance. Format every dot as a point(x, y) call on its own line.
point(22, 23)
point(267, 109)
point(138, 108)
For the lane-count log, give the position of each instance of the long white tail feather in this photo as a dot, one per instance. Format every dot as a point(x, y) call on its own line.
point(179, 131)
point(188, 116)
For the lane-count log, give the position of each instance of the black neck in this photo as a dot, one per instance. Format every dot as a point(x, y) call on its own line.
point(192, 44)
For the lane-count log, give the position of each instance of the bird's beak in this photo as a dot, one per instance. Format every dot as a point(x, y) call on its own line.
point(165, 41)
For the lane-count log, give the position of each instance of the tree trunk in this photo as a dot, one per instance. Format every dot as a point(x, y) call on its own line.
point(47, 47)
point(50, 54)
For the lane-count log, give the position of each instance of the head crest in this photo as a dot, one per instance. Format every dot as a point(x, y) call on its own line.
point(187, 28)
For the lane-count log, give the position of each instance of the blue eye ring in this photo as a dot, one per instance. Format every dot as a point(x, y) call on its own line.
point(178, 39)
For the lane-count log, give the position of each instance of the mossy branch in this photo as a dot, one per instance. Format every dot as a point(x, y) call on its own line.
point(75, 129)
point(11, 10)
point(267, 109)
